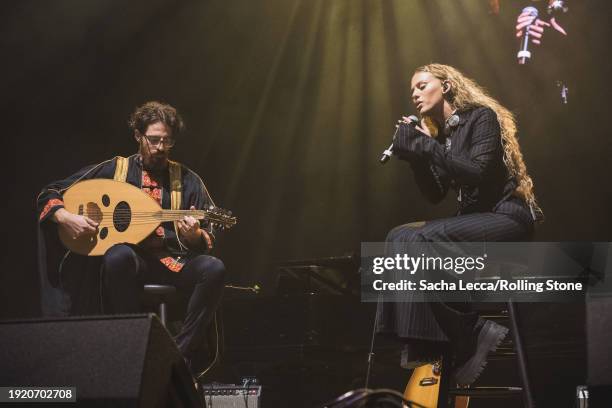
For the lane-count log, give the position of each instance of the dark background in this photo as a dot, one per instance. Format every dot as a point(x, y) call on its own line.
point(288, 106)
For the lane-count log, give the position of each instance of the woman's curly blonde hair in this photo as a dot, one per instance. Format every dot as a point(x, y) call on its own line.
point(466, 94)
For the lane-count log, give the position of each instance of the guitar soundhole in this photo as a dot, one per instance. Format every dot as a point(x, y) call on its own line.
point(122, 216)
point(103, 233)
point(106, 200)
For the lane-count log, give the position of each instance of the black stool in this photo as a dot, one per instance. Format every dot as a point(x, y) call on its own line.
point(160, 295)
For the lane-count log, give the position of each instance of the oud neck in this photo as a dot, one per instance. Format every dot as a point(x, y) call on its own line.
point(176, 215)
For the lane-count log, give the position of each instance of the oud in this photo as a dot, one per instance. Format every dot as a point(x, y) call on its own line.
point(124, 213)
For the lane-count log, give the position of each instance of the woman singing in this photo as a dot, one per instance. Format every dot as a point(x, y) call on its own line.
point(465, 141)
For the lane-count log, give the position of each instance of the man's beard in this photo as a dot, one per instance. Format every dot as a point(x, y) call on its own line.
point(156, 163)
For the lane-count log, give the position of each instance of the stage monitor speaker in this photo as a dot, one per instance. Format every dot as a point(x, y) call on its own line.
point(114, 361)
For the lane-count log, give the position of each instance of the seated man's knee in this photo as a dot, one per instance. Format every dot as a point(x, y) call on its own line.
point(120, 260)
point(212, 270)
point(216, 270)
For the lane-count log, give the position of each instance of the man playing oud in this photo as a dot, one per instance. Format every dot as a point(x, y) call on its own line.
point(175, 253)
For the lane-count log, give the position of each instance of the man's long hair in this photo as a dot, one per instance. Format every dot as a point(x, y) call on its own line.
point(466, 94)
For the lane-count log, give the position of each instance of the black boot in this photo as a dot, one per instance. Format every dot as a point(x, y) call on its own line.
point(471, 338)
point(487, 335)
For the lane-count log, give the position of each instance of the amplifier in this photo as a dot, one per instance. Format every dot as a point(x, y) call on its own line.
point(231, 396)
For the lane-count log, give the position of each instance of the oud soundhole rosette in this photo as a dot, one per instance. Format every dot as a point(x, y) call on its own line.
point(94, 212)
point(122, 216)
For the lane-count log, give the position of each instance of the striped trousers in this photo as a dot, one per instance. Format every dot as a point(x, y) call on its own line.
point(436, 321)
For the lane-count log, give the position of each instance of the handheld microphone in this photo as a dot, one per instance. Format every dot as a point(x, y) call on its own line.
point(389, 151)
point(524, 54)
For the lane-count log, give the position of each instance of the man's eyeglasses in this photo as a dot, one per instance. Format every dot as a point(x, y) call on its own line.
point(156, 140)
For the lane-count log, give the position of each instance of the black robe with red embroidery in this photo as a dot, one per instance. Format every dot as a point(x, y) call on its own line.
point(70, 283)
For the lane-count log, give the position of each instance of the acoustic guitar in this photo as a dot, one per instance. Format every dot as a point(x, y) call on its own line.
point(423, 388)
point(124, 213)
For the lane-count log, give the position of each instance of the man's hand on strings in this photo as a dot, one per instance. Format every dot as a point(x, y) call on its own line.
point(189, 229)
point(74, 225)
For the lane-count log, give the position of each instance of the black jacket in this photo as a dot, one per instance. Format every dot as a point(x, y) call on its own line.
point(470, 160)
